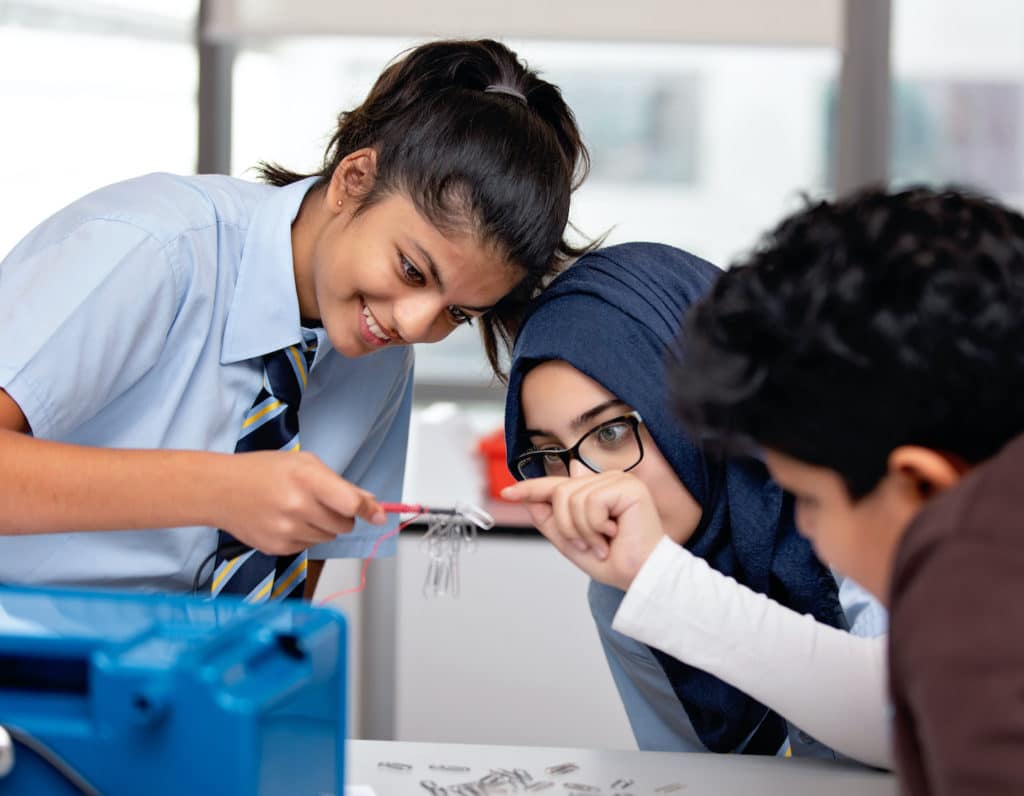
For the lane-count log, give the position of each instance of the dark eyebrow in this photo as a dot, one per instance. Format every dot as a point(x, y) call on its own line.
point(432, 267)
point(582, 420)
point(590, 414)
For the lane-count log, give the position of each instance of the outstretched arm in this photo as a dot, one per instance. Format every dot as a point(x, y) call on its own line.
point(826, 681)
point(276, 501)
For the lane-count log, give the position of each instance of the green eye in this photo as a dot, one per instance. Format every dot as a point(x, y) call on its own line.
point(611, 434)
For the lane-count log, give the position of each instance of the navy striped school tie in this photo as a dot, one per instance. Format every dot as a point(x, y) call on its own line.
point(271, 424)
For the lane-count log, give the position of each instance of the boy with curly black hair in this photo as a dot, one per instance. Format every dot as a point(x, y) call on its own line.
point(873, 349)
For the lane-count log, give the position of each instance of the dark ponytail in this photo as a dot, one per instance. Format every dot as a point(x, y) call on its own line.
point(480, 144)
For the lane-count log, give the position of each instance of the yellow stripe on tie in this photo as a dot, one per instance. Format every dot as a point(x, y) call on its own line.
point(264, 411)
point(299, 363)
point(225, 572)
point(287, 582)
point(252, 598)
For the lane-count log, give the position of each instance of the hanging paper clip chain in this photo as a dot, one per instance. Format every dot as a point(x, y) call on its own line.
point(448, 530)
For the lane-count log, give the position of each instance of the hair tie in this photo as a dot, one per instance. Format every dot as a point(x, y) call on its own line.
point(512, 92)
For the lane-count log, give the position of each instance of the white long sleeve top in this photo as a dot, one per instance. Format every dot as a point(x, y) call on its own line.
point(826, 681)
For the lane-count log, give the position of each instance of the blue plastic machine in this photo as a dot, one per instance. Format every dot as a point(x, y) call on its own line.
point(114, 694)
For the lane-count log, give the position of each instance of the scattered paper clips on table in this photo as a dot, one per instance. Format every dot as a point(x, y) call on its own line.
point(500, 781)
point(496, 781)
point(395, 766)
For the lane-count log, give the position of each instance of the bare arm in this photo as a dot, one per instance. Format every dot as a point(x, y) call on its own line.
point(276, 501)
point(11, 416)
point(50, 487)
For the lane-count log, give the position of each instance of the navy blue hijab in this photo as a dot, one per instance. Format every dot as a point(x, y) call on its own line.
point(615, 316)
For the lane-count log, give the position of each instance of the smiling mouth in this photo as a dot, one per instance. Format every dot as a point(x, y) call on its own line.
point(373, 328)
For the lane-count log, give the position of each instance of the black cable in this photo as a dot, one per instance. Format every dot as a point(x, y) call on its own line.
point(198, 577)
point(227, 551)
point(48, 755)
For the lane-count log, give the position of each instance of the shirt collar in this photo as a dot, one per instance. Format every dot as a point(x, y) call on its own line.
point(264, 313)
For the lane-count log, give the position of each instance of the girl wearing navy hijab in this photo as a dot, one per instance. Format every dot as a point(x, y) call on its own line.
point(587, 416)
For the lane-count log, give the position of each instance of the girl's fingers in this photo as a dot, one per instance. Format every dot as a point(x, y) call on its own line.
point(545, 499)
point(597, 516)
point(540, 514)
point(583, 559)
point(562, 515)
point(343, 499)
point(584, 507)
point(326, 524)
point(581, 508)
point(533, 490)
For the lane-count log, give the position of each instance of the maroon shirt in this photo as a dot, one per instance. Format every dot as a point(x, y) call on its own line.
point(956, 651)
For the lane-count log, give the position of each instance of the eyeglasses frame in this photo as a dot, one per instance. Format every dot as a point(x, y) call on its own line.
point(568, 454)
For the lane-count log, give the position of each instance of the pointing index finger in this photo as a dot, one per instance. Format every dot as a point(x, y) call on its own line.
point(533, 490)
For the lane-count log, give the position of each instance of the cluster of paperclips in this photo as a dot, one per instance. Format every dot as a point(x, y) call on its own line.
point(519, 780)
point(498, 780)
point(445, 537)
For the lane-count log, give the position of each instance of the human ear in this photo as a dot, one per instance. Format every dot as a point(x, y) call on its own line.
point(353, 178)
point(924, 472)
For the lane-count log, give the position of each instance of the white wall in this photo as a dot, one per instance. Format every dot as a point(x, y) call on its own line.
point(514, 660)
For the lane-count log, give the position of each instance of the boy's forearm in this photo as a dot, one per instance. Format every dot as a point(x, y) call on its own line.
point(50, 487)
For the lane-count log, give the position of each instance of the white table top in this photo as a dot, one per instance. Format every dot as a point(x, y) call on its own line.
point(651, 773)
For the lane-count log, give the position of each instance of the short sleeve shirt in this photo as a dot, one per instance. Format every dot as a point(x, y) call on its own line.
point(137, 317)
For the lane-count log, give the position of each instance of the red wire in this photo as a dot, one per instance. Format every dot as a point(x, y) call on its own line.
point(402, 508)
point(366, 563)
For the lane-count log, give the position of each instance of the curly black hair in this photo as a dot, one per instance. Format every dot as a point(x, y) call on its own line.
point(857, 326)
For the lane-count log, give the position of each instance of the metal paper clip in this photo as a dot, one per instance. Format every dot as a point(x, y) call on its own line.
point(394, 766)
point(562, 768)
point(448, 531)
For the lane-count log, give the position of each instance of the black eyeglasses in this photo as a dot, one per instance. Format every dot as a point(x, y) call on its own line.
point(613, 445)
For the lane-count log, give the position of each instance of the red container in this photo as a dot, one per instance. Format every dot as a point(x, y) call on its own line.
point(492, 448)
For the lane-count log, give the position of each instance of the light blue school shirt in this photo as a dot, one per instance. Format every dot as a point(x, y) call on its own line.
point(137, 317)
